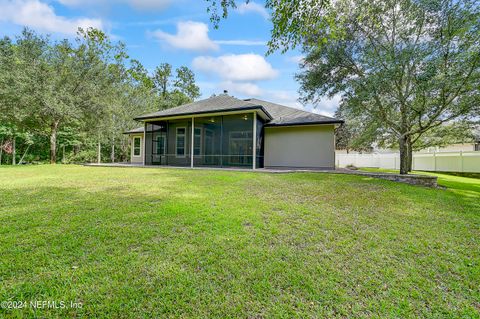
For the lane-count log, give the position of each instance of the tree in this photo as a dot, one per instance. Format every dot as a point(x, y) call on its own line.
point(358, 134)
point(411, 66)
point(174, 91)
point(78, 95)
point(292, 20)
point(185, 83)
point(58, 82)
point(161, 78)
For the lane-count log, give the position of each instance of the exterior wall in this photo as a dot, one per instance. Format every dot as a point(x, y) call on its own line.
point(136, 159)
point(300, 146)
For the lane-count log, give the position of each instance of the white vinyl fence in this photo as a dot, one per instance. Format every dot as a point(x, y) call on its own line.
point(468, 162)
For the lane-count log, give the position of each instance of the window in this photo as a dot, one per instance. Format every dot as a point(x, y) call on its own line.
point(197, 145)
point(137, 145)
point(160, 145)
point(180, 142)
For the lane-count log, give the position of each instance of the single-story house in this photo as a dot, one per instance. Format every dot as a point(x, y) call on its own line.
point(223, 131)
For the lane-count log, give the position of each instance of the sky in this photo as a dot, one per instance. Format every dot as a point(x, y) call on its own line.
point(178, 32)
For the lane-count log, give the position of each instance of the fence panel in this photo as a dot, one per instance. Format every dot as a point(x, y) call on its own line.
point(439, 161)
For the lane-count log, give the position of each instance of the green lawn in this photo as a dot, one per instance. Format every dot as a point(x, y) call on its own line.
point(160, 243)
point(463, 186)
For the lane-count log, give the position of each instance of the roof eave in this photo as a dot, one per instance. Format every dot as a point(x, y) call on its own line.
point(247, 108)
point(306, 123)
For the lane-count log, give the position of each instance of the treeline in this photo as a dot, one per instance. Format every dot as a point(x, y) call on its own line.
point(63, 99)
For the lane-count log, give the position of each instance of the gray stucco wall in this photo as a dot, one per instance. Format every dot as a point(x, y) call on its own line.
point(300, 146)
point(136, 159)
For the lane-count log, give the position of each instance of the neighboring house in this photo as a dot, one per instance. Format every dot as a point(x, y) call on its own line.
point(229, 132)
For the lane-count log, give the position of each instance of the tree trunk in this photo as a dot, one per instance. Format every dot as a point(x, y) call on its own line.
point(99, 153)
point(402, 142)
point(14, 152)
point(53, 142)
point(410, 154)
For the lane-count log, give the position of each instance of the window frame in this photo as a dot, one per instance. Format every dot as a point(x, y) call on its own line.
point(184, 141)
point(139, 138)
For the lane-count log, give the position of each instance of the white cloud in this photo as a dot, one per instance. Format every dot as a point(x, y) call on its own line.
point(136, 4)
point(241, 42)
point(284, 97)
point(242, 88)
point(290, 98)
point(327, 106)
point(241, 67)
point(297, 59)
point(253, 7)
point(41, 16)
point(190, 36)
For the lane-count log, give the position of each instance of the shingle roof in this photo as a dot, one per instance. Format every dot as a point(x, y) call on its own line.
point(285, 115)
point(216, 103)
point(135, 130)
point(279, 115)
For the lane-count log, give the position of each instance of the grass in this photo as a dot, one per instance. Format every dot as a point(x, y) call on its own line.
point(167, 243)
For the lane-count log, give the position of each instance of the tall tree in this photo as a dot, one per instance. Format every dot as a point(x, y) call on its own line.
point(162, 77)
point(409, 65)
point(60, 81)
point(185, 83)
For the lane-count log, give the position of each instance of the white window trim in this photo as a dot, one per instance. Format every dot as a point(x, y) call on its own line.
point(140, 147)
point(184, 142)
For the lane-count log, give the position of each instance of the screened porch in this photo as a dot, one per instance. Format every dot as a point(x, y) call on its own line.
point(217, 141)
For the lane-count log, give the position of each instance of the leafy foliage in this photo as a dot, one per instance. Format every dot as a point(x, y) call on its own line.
point(405, 66)
point(76, 95)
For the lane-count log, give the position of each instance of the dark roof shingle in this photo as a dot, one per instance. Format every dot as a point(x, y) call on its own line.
point(217, 103)
point(285, 115)
point(280, 115)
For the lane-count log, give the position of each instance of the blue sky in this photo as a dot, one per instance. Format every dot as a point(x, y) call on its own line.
point(178, 32)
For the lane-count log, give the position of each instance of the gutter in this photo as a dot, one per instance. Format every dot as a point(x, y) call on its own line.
point(305, 123)
point(247, 108)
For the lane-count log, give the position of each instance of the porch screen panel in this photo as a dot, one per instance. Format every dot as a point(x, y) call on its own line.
point(237, 146)
point(159, 141)
point(178, 144)
point(260, 146)
point(155, 143)
point(149, 128)
point(207, 137)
